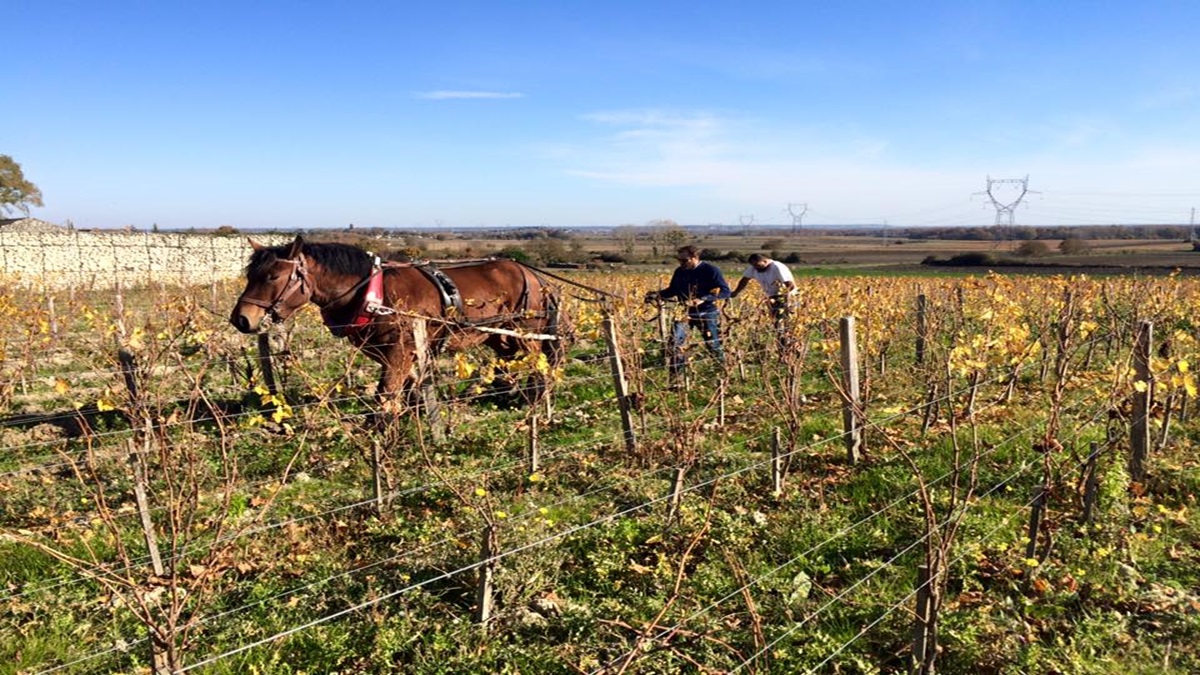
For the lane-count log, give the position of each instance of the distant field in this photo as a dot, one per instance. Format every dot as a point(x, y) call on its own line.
point(877, 252)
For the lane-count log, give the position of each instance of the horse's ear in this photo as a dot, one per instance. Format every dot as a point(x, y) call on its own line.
point(254, 244)
point(294, 251)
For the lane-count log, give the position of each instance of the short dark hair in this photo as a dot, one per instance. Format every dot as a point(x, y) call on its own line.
point(756, 258)
point(688, 251)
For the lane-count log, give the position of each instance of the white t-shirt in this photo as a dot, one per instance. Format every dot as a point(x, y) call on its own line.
point(772, 279)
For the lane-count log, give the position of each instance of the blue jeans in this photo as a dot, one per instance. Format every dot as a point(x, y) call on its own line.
point(709, 324)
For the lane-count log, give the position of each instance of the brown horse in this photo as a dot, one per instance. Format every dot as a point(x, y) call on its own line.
point(375, 305)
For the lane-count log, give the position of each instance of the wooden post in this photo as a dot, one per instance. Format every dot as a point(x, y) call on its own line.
point(143, 505)
point(129, 373)
point(431, 409)
point(676, 492)
point(924, 635)
point(1035, 519)
point(534, 452)
point(484, 598)
point(619, 383)
point(1139, 423)
point(721, 403)
point(664, 335)
point(264, 362)
point(851, 403)
point(922, 328)
point(119, 308)
point(377, 470)
point(930, 408)
point(53, 318)
point(1090, 483)
point(776, 463)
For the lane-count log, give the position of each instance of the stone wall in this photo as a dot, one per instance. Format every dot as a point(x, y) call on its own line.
point(100, 259)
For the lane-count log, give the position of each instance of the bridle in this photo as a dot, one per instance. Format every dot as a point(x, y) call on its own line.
point(298, 281)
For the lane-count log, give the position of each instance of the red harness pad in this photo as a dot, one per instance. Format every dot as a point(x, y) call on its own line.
point(372, 302)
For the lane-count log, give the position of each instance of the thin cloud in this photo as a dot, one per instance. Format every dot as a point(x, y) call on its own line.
point(445, 95)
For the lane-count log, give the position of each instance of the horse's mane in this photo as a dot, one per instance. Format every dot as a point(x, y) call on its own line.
point(337, 258)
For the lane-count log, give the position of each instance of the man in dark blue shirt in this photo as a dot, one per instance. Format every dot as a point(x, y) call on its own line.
point(699, 285)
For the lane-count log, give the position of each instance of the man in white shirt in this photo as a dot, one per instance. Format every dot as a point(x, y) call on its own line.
point(777, 283)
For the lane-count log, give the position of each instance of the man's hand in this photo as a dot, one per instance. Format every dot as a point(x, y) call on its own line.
point(652, 296)
point(695, 302)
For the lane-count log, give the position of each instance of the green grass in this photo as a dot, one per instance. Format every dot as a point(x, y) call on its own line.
point(828, 557)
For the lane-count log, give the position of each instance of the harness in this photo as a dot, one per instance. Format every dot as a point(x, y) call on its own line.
point(370, 307)
point(297, 281)
point(452, 302)
point(372, 303)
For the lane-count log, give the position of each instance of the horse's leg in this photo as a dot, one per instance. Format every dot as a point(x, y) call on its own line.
point(395, 370)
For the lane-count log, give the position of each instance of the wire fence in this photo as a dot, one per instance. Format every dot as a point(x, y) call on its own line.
point(650, 369)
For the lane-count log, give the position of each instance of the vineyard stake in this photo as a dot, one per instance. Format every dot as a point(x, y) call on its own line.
point(924, 631)
point(619, 383)
point(264, 362)
point(129, 373)
point(1090, 483)
point(931, 407)
point(1139, 423)
point(377, 475)
point(119, 306)
point(922, 328)
point(53, 322)
point(484, 598)
point(143, 505)
point(851, 403)
point(776, 463)
point(534, 458)
point(721, 403)
point(429, 403)
point(1035, 519)
point(676, 492)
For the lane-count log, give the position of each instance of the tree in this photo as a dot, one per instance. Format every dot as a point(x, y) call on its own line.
point(1032, 249)
point(626, 236)
point(16, 193)
point(668, 233)
point(1073, 246)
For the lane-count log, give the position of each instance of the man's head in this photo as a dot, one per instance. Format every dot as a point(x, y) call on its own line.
point(688, 256)
point(759, 261)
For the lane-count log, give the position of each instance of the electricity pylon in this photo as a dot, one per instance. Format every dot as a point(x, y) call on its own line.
point(1007, 211)
point(797, 212)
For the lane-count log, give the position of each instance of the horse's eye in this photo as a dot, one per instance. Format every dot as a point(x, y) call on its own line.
point(273, 277)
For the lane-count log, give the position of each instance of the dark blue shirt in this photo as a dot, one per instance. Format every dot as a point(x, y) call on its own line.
point(704, 282)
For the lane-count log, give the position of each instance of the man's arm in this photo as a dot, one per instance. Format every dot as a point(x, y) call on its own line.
point(719, 289)
point(675, 289)
point(741, 285)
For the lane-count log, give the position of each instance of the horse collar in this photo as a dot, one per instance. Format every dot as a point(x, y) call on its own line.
point(369, 307)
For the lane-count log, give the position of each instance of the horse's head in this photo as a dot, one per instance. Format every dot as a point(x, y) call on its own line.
point(277, 284)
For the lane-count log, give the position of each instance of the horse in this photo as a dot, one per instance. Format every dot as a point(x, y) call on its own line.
point(376, 304)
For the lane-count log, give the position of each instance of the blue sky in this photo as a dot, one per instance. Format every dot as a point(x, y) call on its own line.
point(318, 114)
